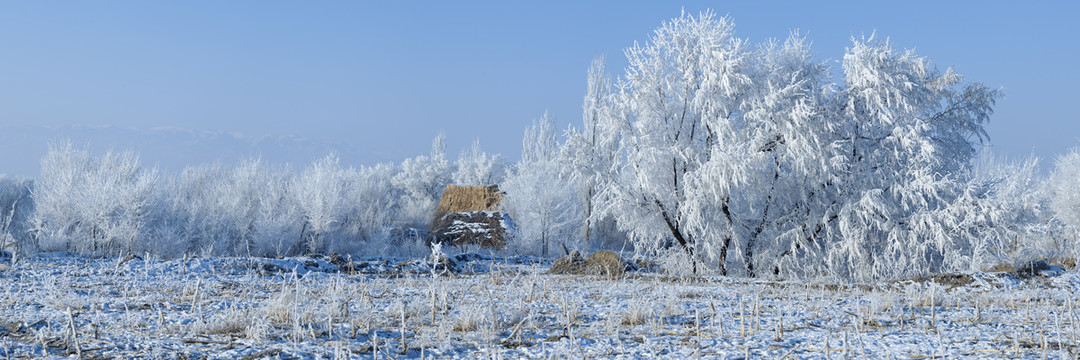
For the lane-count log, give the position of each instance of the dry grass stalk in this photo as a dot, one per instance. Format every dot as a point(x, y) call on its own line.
point(742, 318)
point(74, 333)
point(697, 325)
point(780, 329)
point(757, 315)
point(404, 346)
point(161, 315)
point(827, 350)
point(933, 310)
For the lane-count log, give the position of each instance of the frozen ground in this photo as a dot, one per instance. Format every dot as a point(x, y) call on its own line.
point(509, 308)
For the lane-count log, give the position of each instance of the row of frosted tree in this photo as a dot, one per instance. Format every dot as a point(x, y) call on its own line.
point(709, 153)
point(112, 205)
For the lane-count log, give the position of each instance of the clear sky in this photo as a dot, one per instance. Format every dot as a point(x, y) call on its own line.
point(382, 78)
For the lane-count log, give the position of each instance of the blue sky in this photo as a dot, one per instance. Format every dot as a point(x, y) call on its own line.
point(378, 79)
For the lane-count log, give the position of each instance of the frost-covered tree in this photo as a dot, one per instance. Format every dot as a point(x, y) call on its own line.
point(195, 218)
point(242, 202)
point(545, 210)
point(1065, 185)
point(1064, 189)
point(347, 210)
point(92, 205)
point(722, 146)
point(248, 210)
point(16, 207)
point(762, 158)
point(1005, 210)
point(373, 207)
point(590, 152)
point(421, 181)
point(279, 220)
point(258, 210)
point(475, 167)
point(674, 103)
point(323, 192)
point(907, 136)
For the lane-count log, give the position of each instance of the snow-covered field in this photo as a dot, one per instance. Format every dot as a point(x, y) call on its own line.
point(60, 305)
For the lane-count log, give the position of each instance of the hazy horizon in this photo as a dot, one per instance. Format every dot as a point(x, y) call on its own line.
point(375, 82)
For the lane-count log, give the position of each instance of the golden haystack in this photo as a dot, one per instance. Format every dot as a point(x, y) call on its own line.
point(601, 263)
point(468, 198)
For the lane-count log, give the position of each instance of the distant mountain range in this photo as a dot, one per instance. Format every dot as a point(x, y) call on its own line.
point(172, 149)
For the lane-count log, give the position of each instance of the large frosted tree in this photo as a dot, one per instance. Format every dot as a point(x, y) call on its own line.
point(907, 136)
point(677, 91)
point(768, 157)
point(724, 149)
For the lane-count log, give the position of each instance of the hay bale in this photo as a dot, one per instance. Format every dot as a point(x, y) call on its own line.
point(602, 263)
point(573, 264)
point(607, 263)
point(456, 199)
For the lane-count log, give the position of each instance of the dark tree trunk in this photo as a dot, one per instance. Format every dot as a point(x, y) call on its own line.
point(684, 241)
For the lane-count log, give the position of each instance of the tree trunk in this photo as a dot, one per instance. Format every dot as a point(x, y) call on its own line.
point(543, 243)
point(723, 256)
point(684, 241)
point(748, 251)
point(588, 215)
point(727, 240)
